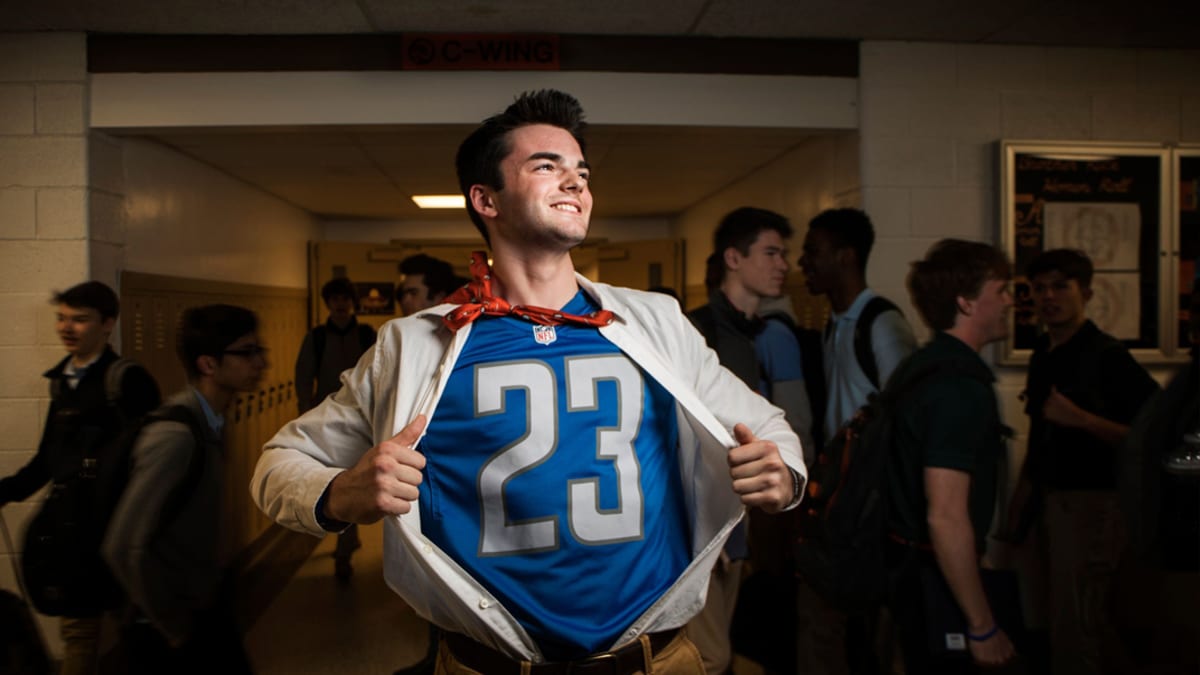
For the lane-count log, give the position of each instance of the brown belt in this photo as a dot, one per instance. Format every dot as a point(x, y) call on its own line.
point(624, 660)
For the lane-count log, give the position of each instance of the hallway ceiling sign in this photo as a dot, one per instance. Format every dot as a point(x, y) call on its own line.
point(480, 51)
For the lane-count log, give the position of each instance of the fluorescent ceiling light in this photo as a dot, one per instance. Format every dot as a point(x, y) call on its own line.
point(440, 201)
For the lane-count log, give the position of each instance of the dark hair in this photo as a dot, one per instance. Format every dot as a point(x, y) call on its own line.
point(479, 156)
point(439, 276)
point(339, 287)
point(209, 330)
point(739, 229)
point(90, 295)
point(714, 271)
point(1072, 263)
point(953, 268)
point(665, 290)
point(847, 228)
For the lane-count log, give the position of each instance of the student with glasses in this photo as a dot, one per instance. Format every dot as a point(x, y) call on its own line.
point(164, 540)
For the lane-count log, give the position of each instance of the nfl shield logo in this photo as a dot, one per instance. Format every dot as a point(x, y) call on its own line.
point(544, 335)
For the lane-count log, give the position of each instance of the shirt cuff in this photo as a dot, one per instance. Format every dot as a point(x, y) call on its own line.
point(327, 524)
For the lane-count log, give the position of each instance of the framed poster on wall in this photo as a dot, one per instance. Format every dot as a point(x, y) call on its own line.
point(1113, 202)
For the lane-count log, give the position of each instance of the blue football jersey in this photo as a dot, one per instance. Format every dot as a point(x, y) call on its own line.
point(552, 476)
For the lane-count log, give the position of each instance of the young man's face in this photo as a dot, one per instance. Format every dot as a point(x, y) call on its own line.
point(990, 310)
point(819, 262)
point(545, 200)
point(242, 364)
point(341, 308)
point(82, 331)
point(1057, 300)
point(764, 268)
point(414, 294)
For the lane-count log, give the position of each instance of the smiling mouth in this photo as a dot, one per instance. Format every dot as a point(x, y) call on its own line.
point(569, 208)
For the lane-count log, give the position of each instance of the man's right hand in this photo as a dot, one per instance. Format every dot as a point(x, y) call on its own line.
point(994, 651)
point(383, 482)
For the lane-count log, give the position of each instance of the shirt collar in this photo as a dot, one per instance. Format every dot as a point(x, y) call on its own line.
point(216, 422)
point(75, 373)
point(856, 308)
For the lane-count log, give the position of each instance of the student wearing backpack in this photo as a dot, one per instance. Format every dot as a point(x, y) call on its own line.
point(867, 335)
point(327, 351)
point(941, 474)
point(866, 338)
point(165, 543)
point(94, 395)
point(1083, 391)
point(749, 263)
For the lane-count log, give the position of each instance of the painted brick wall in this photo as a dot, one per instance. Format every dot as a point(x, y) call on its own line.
point(43, 237)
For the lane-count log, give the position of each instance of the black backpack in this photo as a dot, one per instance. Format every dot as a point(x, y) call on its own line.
point(864, 351)
point(843, 528)
point(65, 574)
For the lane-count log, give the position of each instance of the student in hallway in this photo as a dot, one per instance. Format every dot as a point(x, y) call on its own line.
point(165, 540)
point(94, 396)
point(327, 351)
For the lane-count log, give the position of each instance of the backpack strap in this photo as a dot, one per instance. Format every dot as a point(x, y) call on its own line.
point(366, 336)
point(864, 352)
point(319, 338)
point(114, 376)
point(182, 493)
point(896, 391)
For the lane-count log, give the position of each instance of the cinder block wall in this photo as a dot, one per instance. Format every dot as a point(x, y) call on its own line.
point(44, 240)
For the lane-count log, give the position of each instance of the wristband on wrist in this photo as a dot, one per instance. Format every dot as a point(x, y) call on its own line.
point(797, 493)
point(985, 635)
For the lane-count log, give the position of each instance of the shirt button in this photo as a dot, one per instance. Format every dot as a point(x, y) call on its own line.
point(426, 549)
point(484, 604)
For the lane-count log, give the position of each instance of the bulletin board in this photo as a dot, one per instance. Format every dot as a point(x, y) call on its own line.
point(1112, 201)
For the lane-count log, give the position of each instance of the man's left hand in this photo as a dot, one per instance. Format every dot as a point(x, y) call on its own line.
point(759, 475)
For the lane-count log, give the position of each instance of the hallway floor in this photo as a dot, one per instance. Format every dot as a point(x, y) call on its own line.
point(318, 626)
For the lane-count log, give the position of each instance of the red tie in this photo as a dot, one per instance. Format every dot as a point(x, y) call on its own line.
point(476, 299)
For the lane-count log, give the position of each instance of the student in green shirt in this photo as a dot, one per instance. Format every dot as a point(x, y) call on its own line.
point(948, 441)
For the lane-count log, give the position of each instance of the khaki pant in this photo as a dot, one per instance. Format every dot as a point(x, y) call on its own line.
point(709, 629)
point(677, 658)
point(1084, 536)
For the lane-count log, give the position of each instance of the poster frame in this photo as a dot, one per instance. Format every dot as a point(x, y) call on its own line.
point(1163, 280)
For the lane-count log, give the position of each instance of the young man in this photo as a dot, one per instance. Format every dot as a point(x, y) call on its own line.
point(164, 542)
point(749, 264)
point(427, 281)
point(578, 475)
point(341, 341)
point(836, 249)
point(1082, 392)
point(942, 468)
point(327, 351)
point(94, 395)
